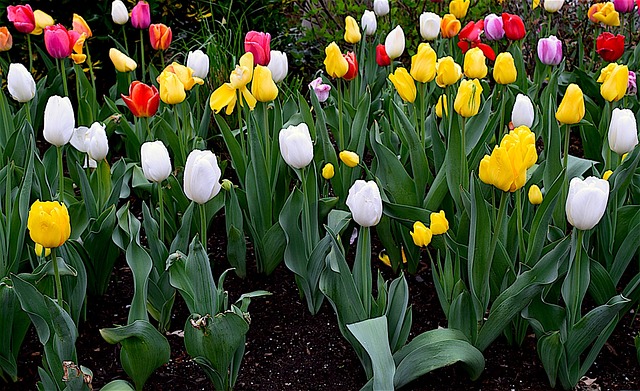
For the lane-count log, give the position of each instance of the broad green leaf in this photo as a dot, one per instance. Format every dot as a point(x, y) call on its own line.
point(373, 336)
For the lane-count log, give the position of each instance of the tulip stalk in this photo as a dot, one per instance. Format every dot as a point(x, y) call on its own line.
point(498, 227)
point(142, 56)
point(30, 52)
point(124, 39)
point(91, 74)
point(362, 267)
point(203, 225)
point(503, 101)
point(574, 301)
point(161, 209)
point(341, 145)
point(521, 246)
point(306, 213)
point(60, 176)
point(63, 74)
point(56, 276)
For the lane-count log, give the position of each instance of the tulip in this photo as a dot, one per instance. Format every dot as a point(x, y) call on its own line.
point(423, 64)
point(624, 6)
point(353, 66)
point(550, 50)
point(504, 69)
point(365, 203)
point(553, 5)
point(623, 131)
point(351, 159)
point(369, 22)
point(614, 79)
point(121, 62)
point(430, 25)
point(632, 87)
point(185, 75)
point(263, 88)
point(471, 32)
point(77, 56)
point(535, 4)
point(172, 90)
point(59, 120)
point(334, 62)
point(447, 72)
point(119, 13)
point(22, 18)
point(394, 43)
point(522, 113)
point(279, 65)
point(228, 93)
point(201, 176)
point(260, 45)
point(141, 15)
point(352, 31)
point(381, 56)
point(535, 195)
point(6, 40)
point(607, 15)
point(593, 9)
point(421, 234)
point(467, 102)
point(96, 142)
point(81, 26)
point(328, 171)
point(586, 202)
point(404, 84)
point(571, 109)
point(607, 174)
point(459, 8)
point(57, 41)
point(381, 7)
point(610, 47)
point(155, 161)
point(39, 250)
point(296, 145)
point(442, 102)
point(475, 66)
point(42, 20)
point(450, 26)
point(493, 27)
point(20, 83)
point(513, 27)
point(321, 90)
point(48, 223)
point(160, 36)
point(199, 62)
point(143, 100)
point(438, 223)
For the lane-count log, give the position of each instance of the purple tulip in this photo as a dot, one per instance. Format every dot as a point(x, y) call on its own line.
point(321, 90)
point(550, 50)
point(493, 27)
point(632, 87)
point(623, 6)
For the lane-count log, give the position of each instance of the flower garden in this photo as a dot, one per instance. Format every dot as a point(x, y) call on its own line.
point(489, 148)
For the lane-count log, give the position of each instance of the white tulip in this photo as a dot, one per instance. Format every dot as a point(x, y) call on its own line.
point(522, 113)
point(369, 23)
point(59, 120)
point(20, 83)
point(199, 62)
point(201, 176)
point(92, 141)
point(119, 12)
point(296, 146)
point(381, 7)
point(155, 160)
point(278, 65)
point(430, 25)
point(553, 5)
point(394, 43)
point(623, 131)
point(365, 203)
point(586, 202)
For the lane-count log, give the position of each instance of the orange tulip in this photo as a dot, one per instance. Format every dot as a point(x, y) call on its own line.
point(450, 26)
point(160, 36)
point(6, 40)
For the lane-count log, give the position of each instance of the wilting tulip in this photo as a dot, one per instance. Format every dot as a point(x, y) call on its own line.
point(504, 69)
point(421, 234)
point(553, 5)
point(57, 41)
point(632, 87)
point(382, 59)
point(614, 79)
point(48, 223)
point(493, 27)
point(624, 6)
point(447, 72)
point(610, 47)
point(607, 14)
point(76, 55)
point(475, 64)
point(80, 25)
point(381, 7)
point(143, 100)
point(535, 195)
point(42, 20)
point(279, 65)
point(334, 62)
point(227, 94)
point(438, 223)
point(571, 109)
point(155, 160)
point(22, 18)
point(6, 40)
point(394, 43)
point(430, 25)
point(459, 8)
point(467, 102)
point(353, 66)
point(59, 120)
point(141, 15)
point(172, 90)
point(369, 22)
point(260, 45)
point(296, 145)
point(263, 88)
point(160, 36)
point(513, 27)
point(404, 84)
point(550, 50)
point(450, 26)
point(121, 62)
point(328, 171)
point(623, 131)
point(522, 113)
point(321, 90)
point(20, 83)
point(423, 63)
point(201, 176)
point(351, 159)
point(586, 202)
point(119, 12)
point(199, 62)
point(442, 102)
point(365, 203)
point(351, 30)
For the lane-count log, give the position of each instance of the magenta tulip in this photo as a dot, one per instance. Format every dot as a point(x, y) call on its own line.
point(22, 18)
point(141, 15)
point(58, 42)
point(260, 45)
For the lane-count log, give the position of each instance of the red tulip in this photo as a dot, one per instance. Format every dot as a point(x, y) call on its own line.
point(353, 66)
point(22, 18)
point(160, 36)
point(513, 27)
point(58, 42)
point(143, 100)
point(610, 47)
point(141, 15)
point(486, 49)
point(260, 45)
point(471, 32)
point(382, 58)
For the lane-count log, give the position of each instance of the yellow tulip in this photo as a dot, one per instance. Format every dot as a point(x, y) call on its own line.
point(351, 30)
point(328, 171)
point(38, 249)
point(459, 8)
point(522, 141)
point(404, 84)
point(467, 102)
point(171, 88)
point(336, 65)
point(475, 66)
point(536, 4)
point(447, 72)
point(571, 109)
point(349, 158)
point(48, 223)
point(535, 195)
point(442, 102)
point(421, 234)
point(614, 79)
point(423, 64)
point(185, 75)
point(77, 56)
point(608, 15)
point(263, 87)
point(121, 61)
point(42, 20)
point(438, 223)
point(227, 94)
point(504, 69)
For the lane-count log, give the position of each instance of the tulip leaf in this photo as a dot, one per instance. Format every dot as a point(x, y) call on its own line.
point(397, 314)
point(479, 263)
point(601, 287)
point(391, 174)
point(101, 251)
point(550, 351)
point(372, 335)
point(118, 385)
point(237, 154)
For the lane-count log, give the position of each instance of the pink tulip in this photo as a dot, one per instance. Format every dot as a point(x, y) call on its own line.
point(22, 18)
point(58, 42)
point(624, 6)
point(260, 45)
point(141, 15)
point(550, 50)
point(493, 27)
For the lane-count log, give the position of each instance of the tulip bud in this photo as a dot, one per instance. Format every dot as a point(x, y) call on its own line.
point(369, 22)
point(447, 72)
point(442, 102)
point(394, 43)
point(459, 8)
point(143, 100)
point(421, 234)
point(623, 131)
point(328, 171)
point(438, 223)
point(614, 79)
point(172, 90)
point(57, 41)
point(365, 203)
point(96, 142)
point(607, 174)
point(475, 66)
point(504, 69)
point(227, 185)
point(43, 20)
point(624, 6)
point(141, 15)
point(263, 88)
point(48, 223)
point(199, 62)
point(632, 87)
point(404, 84)
point(321, 90)
point(550, 50)
point(381, 56)
point(423, 64)
point(522, 113)
point(493, 27)
point(155, 161)
point(352, 31)
point(450, 26)
point(381, 7)
point(121, 62)
point(334, 62)
point(6, 40)
point(59, 120)
point(571, 109)
point(430, 25)
point(296, 145)
point(20, 83)
point(119, 13)
point(22, 18)
point(586, 202)
point(467, 102)
point(353, 66)
point(259, 44)
point(351, 159)
point(610, 47)
point(553, 5)
point(201, 176)
point(160, 36)
point(535, 195)
point(279, 65)
point(513, 27)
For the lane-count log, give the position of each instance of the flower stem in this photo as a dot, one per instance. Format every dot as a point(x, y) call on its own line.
point(503, 101)
point(142, 77)
point(60, 176)
point(124, 39)
point(267, 138)
point(521, 246)
point(306, 212)
point(341, 145)
point(498, 227)
point(28, 112)
point(30, 53)
point(240, 131)
point(63, 74)
point(576, 302)
point(203, 225)
point(56, 275)
point(161, 208)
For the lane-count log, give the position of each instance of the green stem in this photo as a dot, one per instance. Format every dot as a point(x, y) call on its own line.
point(203, 225)
point(503, 101)
point(521, 246)
point(306, 215)
point(99, 183)
point(267, 138)
point(423, 99)
point(63, 74)
point(142, 56)
point(341, 145)
point(240, 131)
point(565, 158)
point(56, 274)
point(162, 58)
point(124, 39)
point(463, 154)
point(28, 112)
point(496, 233)
point(150, 135)
point(30, 53)
point(93, 84)
point(576, 300)
point(60, 176)
point(161, 208)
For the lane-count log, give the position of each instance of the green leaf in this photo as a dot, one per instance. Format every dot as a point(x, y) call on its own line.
point(550, 351)
point(118, 385)
point(372, 335)
point(479, 263)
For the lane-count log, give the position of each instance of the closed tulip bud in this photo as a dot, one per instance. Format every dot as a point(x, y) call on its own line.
point(535, 195)
point(632, 87)
point(22, 18)
point(607, 174)
point(6, 40)
point(334, 62)
point(97, 143)
point(39, 250)
point(20, 83)
point(553, 5)
point(172, 90)
point(438, 223)
point(423, 64)
point(296, 145)
point(623, 131)
point(351, 30)
point(447, 72)
point(80, 25)
point(351, 159)
point(43, 20)
point(430, 25)
point(450, 26)
point(459, 8)
point(227, 185)
point(353, 66)
point(328, 171)
point(121, 61)
point(369, 22)
point(143, 100)
point(607, 14)
point(321, 90)
point(421, 234)
point(160, 36)
point(382, 59)
point(522, 113)
point(119, 13)
point(586, 202)
point(199, 62)
point(504, 69)
point(365, 203)
point(381, 7)
point(624, 6)
point(48, 223)
point(550, 50)
point(442, 102)
point(513, 27)
point(493, 27)
point(263, 88)
point(467, 102)
point(404, 84)
point(59, 120)
point(57, 41)
point(201, 176)
point(571, 109)
point(259, 44)
point(394, 43)
point(155, 161)
point(475, 64)
point(610, 47)
point(614, 79)
point(141, 15)
point(279, 65)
